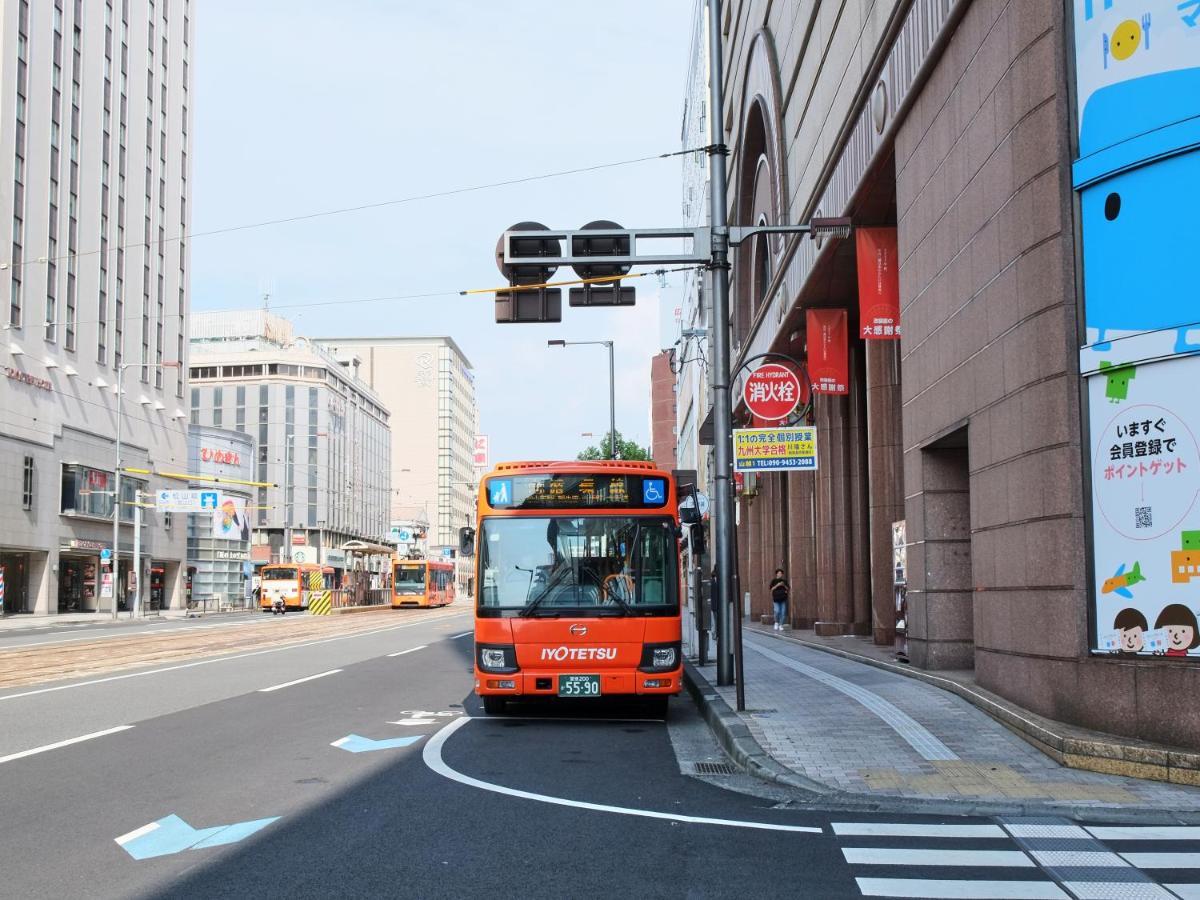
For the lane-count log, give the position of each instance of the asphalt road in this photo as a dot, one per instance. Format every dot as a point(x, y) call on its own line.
point(593, 799)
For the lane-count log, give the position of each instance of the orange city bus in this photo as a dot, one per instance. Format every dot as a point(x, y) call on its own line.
point(579, 576)
point(290, 581)
point(422, 582)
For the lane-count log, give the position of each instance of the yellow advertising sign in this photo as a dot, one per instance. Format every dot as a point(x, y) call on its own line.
point(764, 449)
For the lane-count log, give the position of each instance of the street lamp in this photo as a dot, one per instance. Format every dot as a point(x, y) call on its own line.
point(612, 392)
point(116, 552)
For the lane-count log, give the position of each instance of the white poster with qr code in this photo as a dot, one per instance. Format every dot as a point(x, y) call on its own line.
point(1145, 509)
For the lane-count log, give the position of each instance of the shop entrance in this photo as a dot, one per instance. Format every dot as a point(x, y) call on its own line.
point(77, 583)
point(14, 572)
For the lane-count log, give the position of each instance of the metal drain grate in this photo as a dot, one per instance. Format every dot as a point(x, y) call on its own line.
point(712, 768)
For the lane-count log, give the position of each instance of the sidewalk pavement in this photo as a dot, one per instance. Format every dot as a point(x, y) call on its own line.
point(853, 731)
point(27, 621)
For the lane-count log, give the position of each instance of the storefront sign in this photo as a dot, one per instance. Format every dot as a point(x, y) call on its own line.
point(106, 584)
point(299, 540)
point(774, 448)
point(81, 544)
point(240, 555)
point(1146, 514)
point(482, 451)
point(828, 351)
point(221, 457)
point(878, 284)
point(772, 392)
point(26, 378)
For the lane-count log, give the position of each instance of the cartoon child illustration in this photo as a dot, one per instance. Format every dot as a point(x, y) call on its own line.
point(1182, 633)
point(230, 523)
point(1132, 625)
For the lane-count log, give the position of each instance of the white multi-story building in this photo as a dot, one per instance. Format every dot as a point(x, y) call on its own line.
point(693, 348)
point(94, 141)
point(428, 384)
point(323, 442)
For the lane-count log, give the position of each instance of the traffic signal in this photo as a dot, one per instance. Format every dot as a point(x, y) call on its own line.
point(536, 304)
point(606, 293)
point(466, 541)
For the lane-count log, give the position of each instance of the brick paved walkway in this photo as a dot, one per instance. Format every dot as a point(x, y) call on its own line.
point(860, 729)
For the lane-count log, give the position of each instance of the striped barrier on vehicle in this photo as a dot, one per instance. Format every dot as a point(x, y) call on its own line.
point(320, 603)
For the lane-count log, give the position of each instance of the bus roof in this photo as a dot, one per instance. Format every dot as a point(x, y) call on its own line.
point(575, 466)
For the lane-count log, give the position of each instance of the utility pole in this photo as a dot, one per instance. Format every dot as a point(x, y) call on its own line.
point(722, 413)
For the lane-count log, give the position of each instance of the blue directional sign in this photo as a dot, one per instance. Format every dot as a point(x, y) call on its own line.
point(173, 835)
point(209, 499)
point(355, 743)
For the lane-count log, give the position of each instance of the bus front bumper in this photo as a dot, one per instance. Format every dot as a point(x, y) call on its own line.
point(544, 683)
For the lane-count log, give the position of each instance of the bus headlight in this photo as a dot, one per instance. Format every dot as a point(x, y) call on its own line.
point(659, 657)
point(496, 657)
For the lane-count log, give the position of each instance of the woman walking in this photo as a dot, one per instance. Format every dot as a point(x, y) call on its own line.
point(779, 595)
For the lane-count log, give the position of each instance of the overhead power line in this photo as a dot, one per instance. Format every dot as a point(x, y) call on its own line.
point(362, 207)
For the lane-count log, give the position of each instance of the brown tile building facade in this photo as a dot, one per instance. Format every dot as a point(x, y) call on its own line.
point(663, 410)
point(951, 120)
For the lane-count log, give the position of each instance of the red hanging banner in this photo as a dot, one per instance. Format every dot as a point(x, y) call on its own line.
point(878, 283)
point(828, 351)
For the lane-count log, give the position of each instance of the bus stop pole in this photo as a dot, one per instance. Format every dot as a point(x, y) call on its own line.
point(722, 412)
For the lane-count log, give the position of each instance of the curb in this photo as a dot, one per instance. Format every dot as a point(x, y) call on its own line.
point(1088, 751)
point(747, 754)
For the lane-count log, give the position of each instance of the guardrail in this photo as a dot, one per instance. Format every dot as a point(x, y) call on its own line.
point(361, 597)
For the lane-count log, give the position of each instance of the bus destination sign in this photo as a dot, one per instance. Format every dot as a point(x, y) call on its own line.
point(577, 492)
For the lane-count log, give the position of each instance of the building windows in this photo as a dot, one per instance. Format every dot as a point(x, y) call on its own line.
point(27, 485)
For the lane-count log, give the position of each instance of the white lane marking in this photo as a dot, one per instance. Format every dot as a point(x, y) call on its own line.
point(205, 662)
point(409, 650)
point(929, 889)
point(1145, 832)
point(340, 741)
point(901, 829)
point(916, 735)
point(137, 833)
point(68, 742)
point(432, 755)
point(1164, 860)
point(455, 637)
point(280, 687)
point(890, 856)
point(1186, 891)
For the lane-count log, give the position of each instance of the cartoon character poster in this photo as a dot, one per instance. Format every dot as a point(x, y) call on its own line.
point(1135, 67)
point(1146, 508)
point(229, 521)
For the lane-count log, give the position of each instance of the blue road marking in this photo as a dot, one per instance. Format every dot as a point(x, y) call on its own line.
point(355, 743)
point(173, 835)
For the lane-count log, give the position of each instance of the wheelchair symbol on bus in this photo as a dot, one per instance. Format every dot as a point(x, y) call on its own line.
point(654, 490)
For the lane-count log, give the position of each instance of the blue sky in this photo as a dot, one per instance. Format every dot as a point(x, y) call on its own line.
point(303, 106)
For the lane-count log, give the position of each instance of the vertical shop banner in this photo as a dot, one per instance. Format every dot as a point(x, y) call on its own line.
point(481, 456)
point(878, 283)
point(828, 351)
point(1135, 68)
point(1145, 510)
point(229, 522)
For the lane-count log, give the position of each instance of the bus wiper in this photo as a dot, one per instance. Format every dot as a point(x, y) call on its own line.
point(551, 582)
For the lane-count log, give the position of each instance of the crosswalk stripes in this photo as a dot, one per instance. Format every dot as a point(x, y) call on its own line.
point(1029, 858)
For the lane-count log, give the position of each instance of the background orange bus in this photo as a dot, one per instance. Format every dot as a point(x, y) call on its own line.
point(579, 583)
point(422, 582)
point(291, 581)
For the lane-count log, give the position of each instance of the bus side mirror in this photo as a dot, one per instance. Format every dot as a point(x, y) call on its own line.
point(466, 542)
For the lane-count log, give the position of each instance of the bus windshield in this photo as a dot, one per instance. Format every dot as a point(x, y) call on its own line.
point(599, 565)
point(279, 574)
point(409, 580)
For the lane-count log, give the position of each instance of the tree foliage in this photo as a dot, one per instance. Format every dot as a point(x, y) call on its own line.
point(625, 449)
